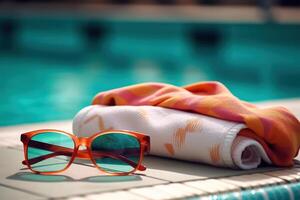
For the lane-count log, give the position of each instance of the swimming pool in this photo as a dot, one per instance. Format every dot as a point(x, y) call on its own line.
point(49, 73)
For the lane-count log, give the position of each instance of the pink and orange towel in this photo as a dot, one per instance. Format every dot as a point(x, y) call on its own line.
point(276, 129)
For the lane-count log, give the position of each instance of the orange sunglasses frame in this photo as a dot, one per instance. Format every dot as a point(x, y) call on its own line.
point(144, 141)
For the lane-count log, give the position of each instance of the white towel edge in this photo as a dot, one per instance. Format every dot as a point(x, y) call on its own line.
point(228, 140)
point(241, 143)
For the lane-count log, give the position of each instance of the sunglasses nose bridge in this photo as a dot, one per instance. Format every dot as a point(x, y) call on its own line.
point(83, 141)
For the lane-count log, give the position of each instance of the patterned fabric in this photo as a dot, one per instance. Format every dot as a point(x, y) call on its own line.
point(176, 134)
point(275, 128)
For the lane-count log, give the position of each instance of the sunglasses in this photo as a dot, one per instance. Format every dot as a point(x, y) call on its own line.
point(115, 152)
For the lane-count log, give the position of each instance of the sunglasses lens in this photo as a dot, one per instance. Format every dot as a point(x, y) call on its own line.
point(50, 151)
point(116, 152)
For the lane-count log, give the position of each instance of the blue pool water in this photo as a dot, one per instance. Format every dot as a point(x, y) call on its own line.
point(50, 72)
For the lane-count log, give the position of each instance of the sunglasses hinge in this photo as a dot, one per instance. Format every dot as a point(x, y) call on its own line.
point(146, 147)
point(24, 138)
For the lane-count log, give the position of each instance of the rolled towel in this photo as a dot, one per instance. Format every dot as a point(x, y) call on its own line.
point(177, 134)
point(248, 153)
point(275, 128)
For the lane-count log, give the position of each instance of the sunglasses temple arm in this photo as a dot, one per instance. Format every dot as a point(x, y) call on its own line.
point(59, 150)
point(44, 157)
point(119, 157)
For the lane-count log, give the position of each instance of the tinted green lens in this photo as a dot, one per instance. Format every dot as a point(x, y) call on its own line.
point(50, 151)
point(116, 152)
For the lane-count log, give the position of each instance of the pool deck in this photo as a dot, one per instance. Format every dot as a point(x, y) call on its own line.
point(164, 178)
